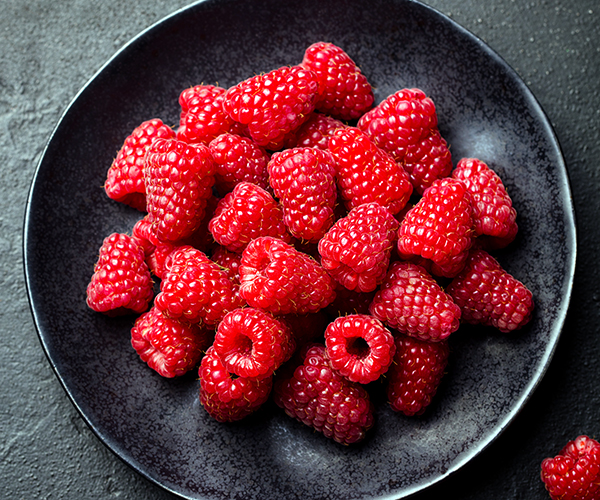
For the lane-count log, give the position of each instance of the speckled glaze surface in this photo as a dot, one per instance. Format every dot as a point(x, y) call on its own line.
point(158, 426)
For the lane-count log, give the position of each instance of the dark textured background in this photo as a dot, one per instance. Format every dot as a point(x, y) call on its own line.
point(49, 50)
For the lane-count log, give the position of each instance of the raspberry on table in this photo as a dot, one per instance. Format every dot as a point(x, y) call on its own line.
point(415, 374)
point(274, 104)
point(248, 212)
point(170, 347)
point(125, 177)
point(366, 173)
point(121, 283)
point(344, 91)
point(356, 250)
point(413, 303)
point(226, 397)
point(319, 397)
point(359, 347)
point(304, 181)
point(487, 294)
point(314, 133)
point(574, 474)
point(278, 278)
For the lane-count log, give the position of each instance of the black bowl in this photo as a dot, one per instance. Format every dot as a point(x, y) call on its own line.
point(156, 425)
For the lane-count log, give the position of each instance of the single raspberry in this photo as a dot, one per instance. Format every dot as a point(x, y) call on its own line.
point(487, 294)
point(195, 289)
point(356, 250)
point(121, 282)
point(319, 397)
point(574, 474)
point(226, 397)
point(413, 303)
point(427, 161)
point(493, 213)
point(202, 117)
point(238, 159)
point(366, 173)
point(344, 91)
point(246, 213)
point(170, 347)
point(229, 262)
point(401, 120)
point(439, 228)
point(252, 343)
point(125, 177)
point(350, 302)
point(179, 179)
point(314, 133)
point(304, 181)
point(278, 278)
point(273, 104)
point(415, 374)
point(359, 347)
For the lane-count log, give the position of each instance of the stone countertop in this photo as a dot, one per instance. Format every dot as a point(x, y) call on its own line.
point(50, 50)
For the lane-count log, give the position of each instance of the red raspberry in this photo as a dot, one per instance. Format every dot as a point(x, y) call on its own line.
point(574, 474)
point(319, 397)
point(195, 289)
point(202, 116)
point(403, 119)
point(226, 397)
point(229, 262)
point(170, 347)
point(125, 177)
point(245, 214)
point(427, 161)
point(488, 295)
point(238, 159)
point(344, 91)
point(413, 303)
point(366, 173)
point(359, 347)
point(356, 250)
point(304, 181)
point(493, 213)
point(314, 133)
point(252, 343)
point(439, 228)
point(415, 374)
point(278, 278)
point(273, 104)
point(121, 283)
point(179, 179)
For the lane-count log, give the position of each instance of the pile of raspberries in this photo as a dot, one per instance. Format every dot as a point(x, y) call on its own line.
point(308, 243)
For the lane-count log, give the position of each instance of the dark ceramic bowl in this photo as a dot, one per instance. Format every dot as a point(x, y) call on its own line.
point(156, 425)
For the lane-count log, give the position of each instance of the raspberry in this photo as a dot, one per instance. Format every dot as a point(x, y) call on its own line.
point(121, 283)
point(574, 474)
point(252, 343)
point(314, 133)
point(278, 278)
point(439, 228)
point(488, 295)
point(179, 179)
point(319, 397)
point(202, 116)
point(344, 91)
point(401, 120)
point(238, 159)
point(229, 262)
point(125, 177)
point(273, 104)
point(493, 213)
point(246, 213)
point(359, 347)
point(226, 397)
point(366, 173)
point(356, 250)
point(304, 181)
point(171, 348)
point(413, 303)
point(195, 289)
point(415, 374)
